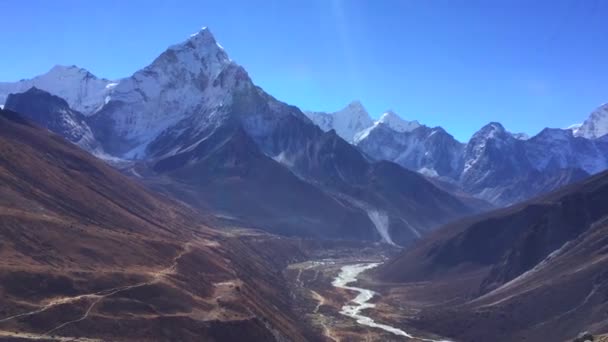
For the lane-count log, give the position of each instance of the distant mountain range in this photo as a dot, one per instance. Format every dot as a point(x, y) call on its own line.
point(89, 250)
point(83, 91)
point(495, 165)
point(184, 118)
point(193, 124)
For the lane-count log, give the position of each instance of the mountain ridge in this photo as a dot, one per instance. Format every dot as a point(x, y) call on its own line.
point(54, 113)
point(154, 114)
point(533, 270)
point(82, 90)
point(192, 107)
point(89, 252)
point(489, 171)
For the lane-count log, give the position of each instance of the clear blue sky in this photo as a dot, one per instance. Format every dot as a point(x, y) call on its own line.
point(458, 64)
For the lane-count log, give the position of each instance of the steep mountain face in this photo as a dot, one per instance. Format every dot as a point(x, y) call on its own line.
point(391, 196)
point(187, 79)
point(596, 126)
point(54, 113)
point(83, 91)
point(346, 122)
point(492, 158)
point(194, 89)
point(338, 193)
point(199, 129)
point(495, 165)
point(502, 169)
point(490, 141)
point(352, 122)
point(86, 252)
point(188, 92)
point(535, 270)
point(334, 195)
point(229, 175)
point(558, 148)
point(430, 151)
point(550, 159)
point(396, 123)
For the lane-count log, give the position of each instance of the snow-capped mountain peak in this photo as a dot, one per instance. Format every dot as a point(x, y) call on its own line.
point(187, 93)
point(351, 120)
point(596, 125)
point(82, 90)
point(200, 50)
point(180, 82)
point(395, 122)
point(67, 70)
point(354, 123)
point(492, 134)
point(202, 40)
point(203, 30)
point(354, 112)
point(347, 122)
point(355, 106)
point(493, 130)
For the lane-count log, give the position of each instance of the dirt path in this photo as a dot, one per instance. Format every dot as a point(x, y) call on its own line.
point(96, 297)
point(31, 336)
point(319, 298)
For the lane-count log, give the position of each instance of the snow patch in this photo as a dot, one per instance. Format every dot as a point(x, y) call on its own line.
point(82, 90)
point(396, 123)
point(428, 172)
point(596, 125)
point(347, 122)
point(520, 136)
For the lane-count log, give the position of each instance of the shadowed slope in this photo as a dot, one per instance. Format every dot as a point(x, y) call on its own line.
point(87, 252)
point(535, 270)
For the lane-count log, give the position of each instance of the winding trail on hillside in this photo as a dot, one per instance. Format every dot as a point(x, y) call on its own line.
point(96, 297)
point(348, 274)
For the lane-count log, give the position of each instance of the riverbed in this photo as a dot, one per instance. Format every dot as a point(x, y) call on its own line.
point(348, 274)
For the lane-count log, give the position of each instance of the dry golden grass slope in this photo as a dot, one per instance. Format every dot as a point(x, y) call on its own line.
point(88, 254)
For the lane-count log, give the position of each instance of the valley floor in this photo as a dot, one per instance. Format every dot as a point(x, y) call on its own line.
point(309, 281)
point(320, 303)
